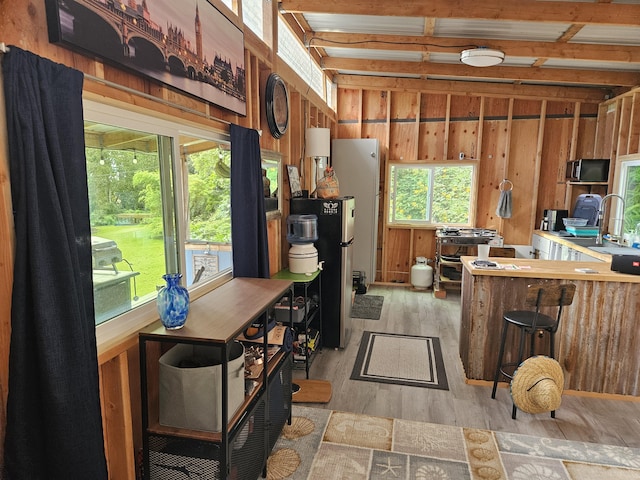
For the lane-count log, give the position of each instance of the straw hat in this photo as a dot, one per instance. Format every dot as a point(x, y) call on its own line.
point(537, 385)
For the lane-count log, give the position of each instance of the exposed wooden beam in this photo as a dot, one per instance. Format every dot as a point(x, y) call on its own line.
point(574, 94)
point(515, 48)
point(522, 10)
point(429, 26)
point(547, 75)
point(571, 32)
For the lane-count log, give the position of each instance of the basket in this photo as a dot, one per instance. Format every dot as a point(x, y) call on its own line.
point(191, 395)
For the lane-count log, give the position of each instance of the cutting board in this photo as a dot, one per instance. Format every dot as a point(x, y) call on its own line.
point(587, 206)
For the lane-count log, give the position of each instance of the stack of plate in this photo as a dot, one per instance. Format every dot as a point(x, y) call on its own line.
point(582, 231)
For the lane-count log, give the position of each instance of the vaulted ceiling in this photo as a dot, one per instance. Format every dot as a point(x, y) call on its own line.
point(561, 43)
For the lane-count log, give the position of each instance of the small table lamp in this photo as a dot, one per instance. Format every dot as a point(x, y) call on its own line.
point(318, 146)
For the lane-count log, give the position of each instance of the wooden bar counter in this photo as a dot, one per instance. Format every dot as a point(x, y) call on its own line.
point(597, 343)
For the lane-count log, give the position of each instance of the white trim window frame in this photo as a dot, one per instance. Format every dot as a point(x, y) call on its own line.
point(631, 210)
point(175, 190)
point(420, 194)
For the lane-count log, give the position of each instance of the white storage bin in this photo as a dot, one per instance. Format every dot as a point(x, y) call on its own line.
point(191, 397)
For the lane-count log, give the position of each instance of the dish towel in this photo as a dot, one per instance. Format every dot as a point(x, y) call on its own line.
point(504, 204)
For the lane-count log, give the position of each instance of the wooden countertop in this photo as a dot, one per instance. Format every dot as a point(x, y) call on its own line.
point(597, 339)
point(558, 269)
point(220, 315)
point(568, 243)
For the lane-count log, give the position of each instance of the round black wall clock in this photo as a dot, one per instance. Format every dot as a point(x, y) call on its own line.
point(277, 105)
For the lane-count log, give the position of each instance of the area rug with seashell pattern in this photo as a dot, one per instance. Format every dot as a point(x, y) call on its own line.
point(324, 444)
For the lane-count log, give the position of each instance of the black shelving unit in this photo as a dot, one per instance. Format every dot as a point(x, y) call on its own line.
point(309, 287)
point(241, 448)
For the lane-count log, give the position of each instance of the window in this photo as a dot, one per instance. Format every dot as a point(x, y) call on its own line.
point(253, 17)
point(159, 201)
point(630, 191)
point(289, 49)
point(299, 59)
point(426, 194)
point(332, 93)
point(207, 177)
point(272, 171)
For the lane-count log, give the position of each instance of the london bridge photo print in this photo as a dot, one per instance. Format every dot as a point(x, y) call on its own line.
point(188, 44)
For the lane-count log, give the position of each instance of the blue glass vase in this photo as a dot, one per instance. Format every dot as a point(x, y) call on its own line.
point(173, 302)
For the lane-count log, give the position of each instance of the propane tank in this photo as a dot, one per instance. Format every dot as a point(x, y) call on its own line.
point(421, 274)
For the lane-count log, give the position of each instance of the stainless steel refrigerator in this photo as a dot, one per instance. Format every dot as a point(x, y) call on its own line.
point(335, 248)
point(356, 162)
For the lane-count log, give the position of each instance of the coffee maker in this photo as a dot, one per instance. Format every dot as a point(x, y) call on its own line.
point(554, 218)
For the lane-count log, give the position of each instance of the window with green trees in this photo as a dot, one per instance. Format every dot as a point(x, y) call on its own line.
point(431, 193)
point(630, 191)
point(159, 202)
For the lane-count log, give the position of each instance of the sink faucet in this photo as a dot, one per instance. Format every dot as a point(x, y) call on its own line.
point(601, 216)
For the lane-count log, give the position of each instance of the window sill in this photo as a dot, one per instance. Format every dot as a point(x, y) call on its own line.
point(418, 226)
point(121, 333)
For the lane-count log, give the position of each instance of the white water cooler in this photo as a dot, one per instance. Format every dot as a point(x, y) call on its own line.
point(421, 274)
point(302, 231)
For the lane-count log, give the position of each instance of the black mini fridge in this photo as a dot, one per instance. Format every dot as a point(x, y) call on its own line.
point(335, 250)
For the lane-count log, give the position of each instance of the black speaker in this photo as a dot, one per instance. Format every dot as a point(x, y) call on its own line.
point(626, 264)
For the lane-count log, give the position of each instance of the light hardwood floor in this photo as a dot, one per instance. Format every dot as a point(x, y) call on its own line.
point(580, 418)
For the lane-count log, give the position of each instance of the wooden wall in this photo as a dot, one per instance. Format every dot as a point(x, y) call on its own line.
point(522, 135)
point(24, 24)
point(526, 139)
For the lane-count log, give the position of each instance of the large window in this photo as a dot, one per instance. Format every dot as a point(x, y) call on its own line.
point(159, 200)
point(427, 194)
point(127, 218)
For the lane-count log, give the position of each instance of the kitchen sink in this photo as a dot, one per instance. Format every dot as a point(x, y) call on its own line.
point(613, 249)
point(583, 241)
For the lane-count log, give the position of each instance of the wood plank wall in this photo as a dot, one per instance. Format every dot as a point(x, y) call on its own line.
point(526, 140)
point(24, 24)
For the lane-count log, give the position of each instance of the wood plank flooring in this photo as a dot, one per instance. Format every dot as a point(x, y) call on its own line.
point(580, 418)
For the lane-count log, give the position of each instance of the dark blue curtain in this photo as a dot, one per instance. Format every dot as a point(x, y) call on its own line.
point(248, 221)
point(54, 426)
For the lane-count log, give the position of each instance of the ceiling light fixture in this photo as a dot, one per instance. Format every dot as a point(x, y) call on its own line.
point(482, 57)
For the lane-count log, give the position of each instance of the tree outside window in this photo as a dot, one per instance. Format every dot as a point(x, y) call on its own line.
point(137, 218)
point(630, 191)
point(431, 194)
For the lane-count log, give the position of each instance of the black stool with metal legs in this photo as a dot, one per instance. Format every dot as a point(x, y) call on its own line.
point(531, 322)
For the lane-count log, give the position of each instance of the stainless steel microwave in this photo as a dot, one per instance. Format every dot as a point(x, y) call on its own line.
point(588, 170)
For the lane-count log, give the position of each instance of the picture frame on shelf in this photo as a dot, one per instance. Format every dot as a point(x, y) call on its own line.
point(294, 181)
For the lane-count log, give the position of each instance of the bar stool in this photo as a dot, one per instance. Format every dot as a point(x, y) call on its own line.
point(531, 321)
